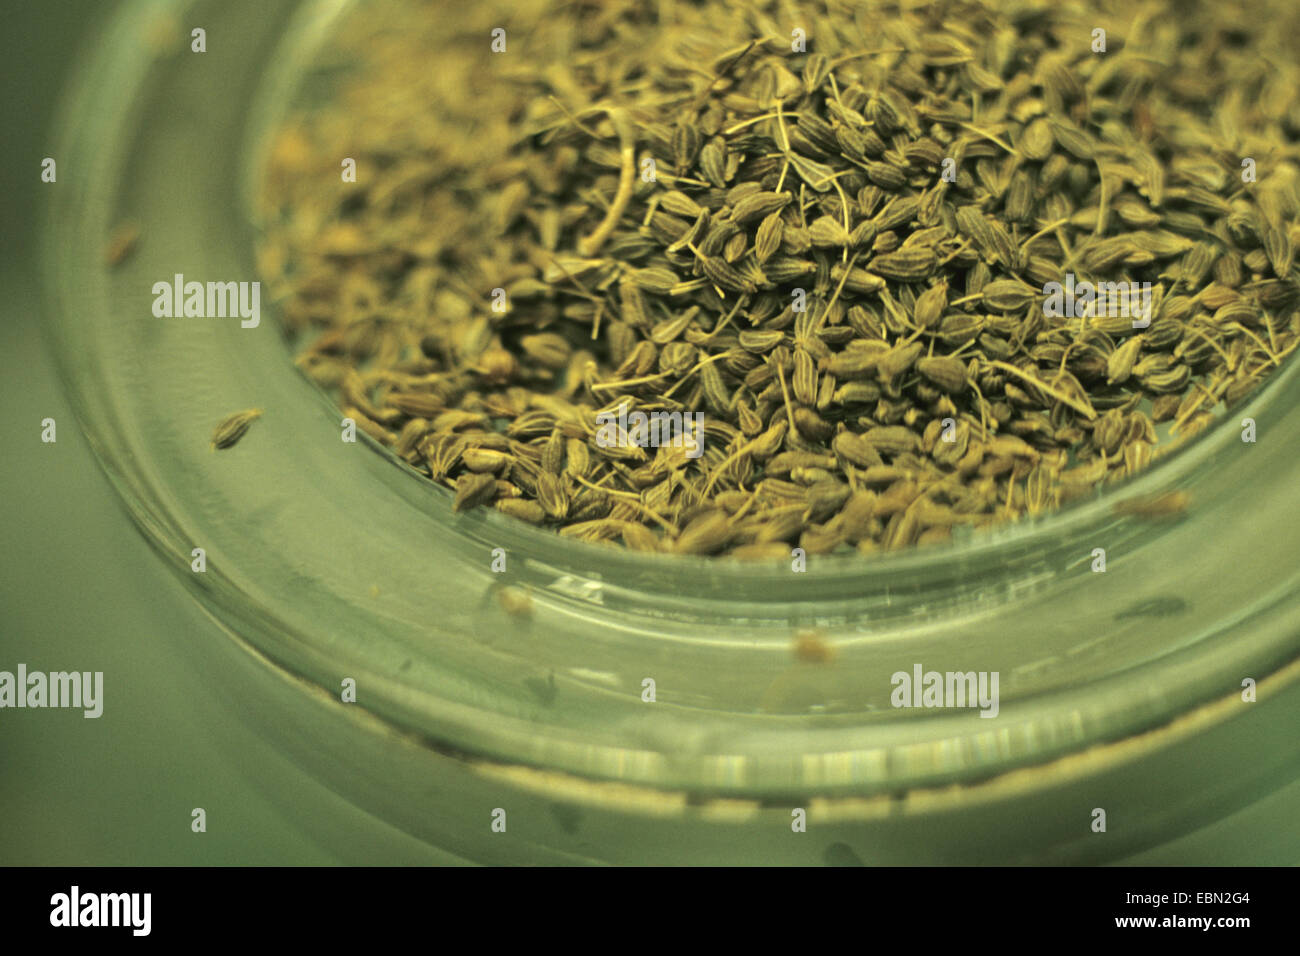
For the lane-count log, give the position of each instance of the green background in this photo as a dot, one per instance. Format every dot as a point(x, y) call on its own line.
point(81, 590)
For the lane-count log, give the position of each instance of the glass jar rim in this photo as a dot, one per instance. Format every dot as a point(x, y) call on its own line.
point(709, 632)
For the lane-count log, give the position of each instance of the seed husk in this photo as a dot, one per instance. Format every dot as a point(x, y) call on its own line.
point(948, 374)
point(524, 510)
point(905, 265)
point(1164, 505)
point(707, 534)
point(121, 243)
point(473, 490)
point(893, 440)
point(1120, 364)
point(812, 647)
point(234, 427)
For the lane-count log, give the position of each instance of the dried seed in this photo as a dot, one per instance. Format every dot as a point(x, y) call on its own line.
point(768, 238)
point(906, 265)
point(551, 495)
point(760, 341)
point(1120, 364)
point(804, 380)
point(813, 648)
point(121, 243)
point(547, 348)
point(720, 272)
point(893, 440)
point(811, 425)
point(713, 161)
point(948, 374)
point(522, 509)
point(707, 534)
point(1007, 295)
point(1170, 504)
point(233, 427)
point(473, 490)
point(758, 206)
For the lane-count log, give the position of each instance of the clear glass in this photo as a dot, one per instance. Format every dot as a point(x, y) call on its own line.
point(326, 561)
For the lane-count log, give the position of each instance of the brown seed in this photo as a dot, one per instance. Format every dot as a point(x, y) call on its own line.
point(640, 538)
point(417, 404)
point(811, 425)
point(522, 509)
point(930, 305)
point(948, 374)
point(485, 460)
point(552, 495)
point(232, 428)
point(761, 340)
point(713, 161)
point(593, 529)
point(670, 329)
point(782, 465)
point(886, 176)
point(898, 361)
point(720, 272)
point(804, 380)
point(819, 540)
point(654, 279)
point(1170, 504)
point(825, 498)
point(497, 366)
point(858, 281)
point(680, 204)
point(1072, 139)
point(454, 419)
point(828, 232)
point(686, 141)
point(976, 225)
point(121, 243)
point(768, 238)
point(905, 265)
point(578, 458)
point(1108, 431)
point(856, 449)
point(473, 490)
point(784, 524)
point(515, 601)
point(893, 440)
point(758, 206)
point(715, 390)
point(1120, 364)
point(547, 348)
point(785, 269)
point(1007, 295)
point(1037, 141)
point(813, 648)
point(707, 534)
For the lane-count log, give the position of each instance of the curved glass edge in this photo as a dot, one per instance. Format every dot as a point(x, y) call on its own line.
point(594, 604)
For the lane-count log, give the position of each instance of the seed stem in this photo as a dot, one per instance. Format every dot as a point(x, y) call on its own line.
point(1085, 410)
point(626, 178)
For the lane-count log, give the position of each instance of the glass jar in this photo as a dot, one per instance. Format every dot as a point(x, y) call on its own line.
point(525, 690)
